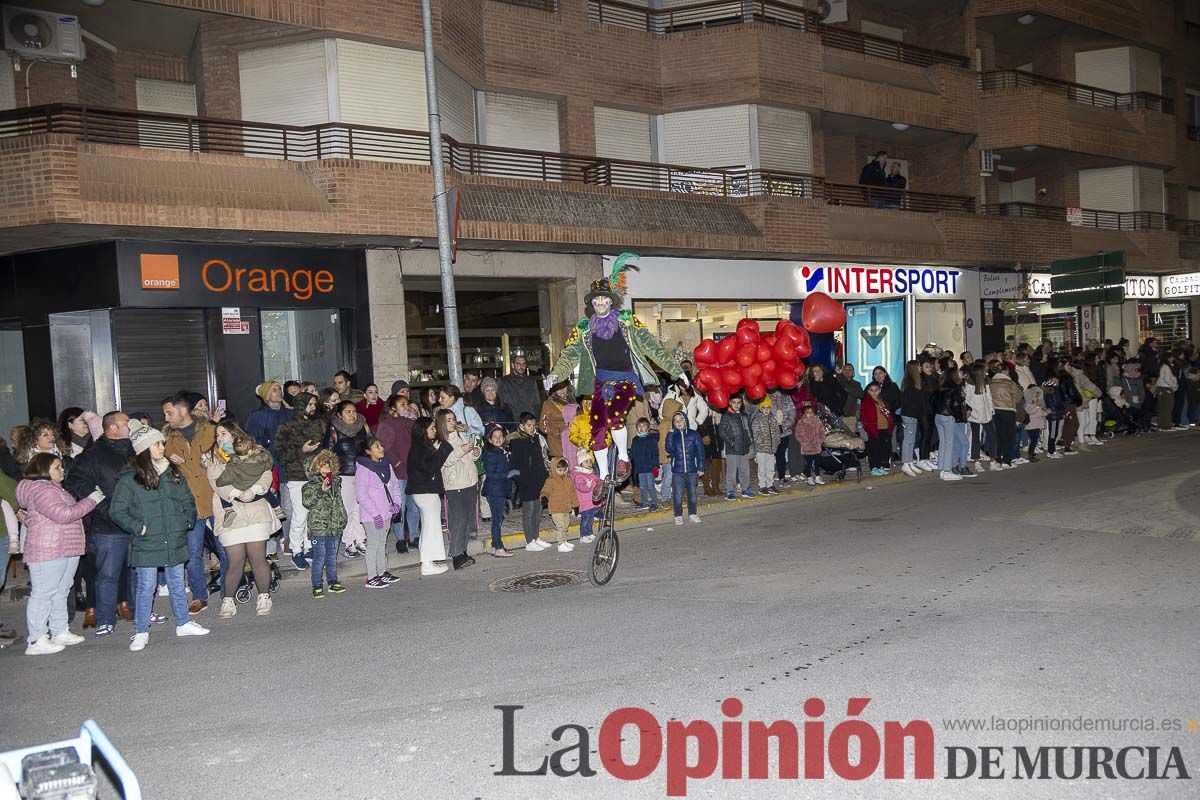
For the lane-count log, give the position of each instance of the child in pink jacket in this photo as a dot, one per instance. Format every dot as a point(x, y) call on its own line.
point(810, 435)
point(378, 493)
point(586, 480)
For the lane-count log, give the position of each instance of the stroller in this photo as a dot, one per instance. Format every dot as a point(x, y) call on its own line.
point(245, 587)
point(1118, 419)
point(842, 449)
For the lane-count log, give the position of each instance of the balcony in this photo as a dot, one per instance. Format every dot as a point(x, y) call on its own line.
point(1077, 92)
point(550, 6)
point(1086, 217)
point(697, 16)
point(1187, 227)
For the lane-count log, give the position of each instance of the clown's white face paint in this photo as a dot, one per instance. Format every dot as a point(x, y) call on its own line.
point(601, 305)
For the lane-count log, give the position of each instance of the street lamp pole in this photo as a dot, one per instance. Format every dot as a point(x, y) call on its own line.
point(449, 304)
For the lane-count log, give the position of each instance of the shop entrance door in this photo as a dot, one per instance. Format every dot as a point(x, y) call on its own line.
point(14, 401)
point(157, 353)
point(302, 345)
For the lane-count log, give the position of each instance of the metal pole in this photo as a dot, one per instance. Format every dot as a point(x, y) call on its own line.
point(449, 304)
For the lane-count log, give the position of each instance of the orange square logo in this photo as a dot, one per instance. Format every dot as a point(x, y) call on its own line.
point(160, 271)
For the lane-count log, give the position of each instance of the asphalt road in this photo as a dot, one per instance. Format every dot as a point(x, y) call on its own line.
point(1064, 590)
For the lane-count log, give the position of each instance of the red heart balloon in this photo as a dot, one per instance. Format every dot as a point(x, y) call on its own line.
point(764, 353)
point(725, 349)
point(748, 323)
point(718, 397)
point(699, 382)
point(788, 366)
point(705, 353)
point(800, 368)
point(751, 374)
point(771, 379)
point(770, 340)
point(823, 314)
point(801, 342)
point(746, 336)
point(787, 380)
point(785, 350)
point(756, 392)
point(731, 377)
point(746, 355)
point(769, 366)
point(711, 378)
point(781, 327)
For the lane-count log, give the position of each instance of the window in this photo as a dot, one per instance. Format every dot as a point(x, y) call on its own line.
point(301, 345)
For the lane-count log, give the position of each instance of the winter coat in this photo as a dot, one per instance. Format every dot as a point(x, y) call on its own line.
point(344, 446)
point(375, 498)
point(8, 494)
point(1085, 384)
point(643, 452)
point(1067, 389)
point(854, 395)
point(829, 393)
point(496, 414)
point(98, 468)
point(395, 434)
point(1035, 407)
point(765, 429)
point(669, 407)
point(585, 481)
point(868, 415)
point(735, 433)
point(712, 439)
point(371, 413)
point(459, 470)
point(801, 397)
point(526, 456)
point(1167, 382)
point(194, 455)
point(553, 424)
point(469, 416)
point(1053, 398)
point(1006, 395)
point(1025, 377)
point(951, 401)
point(980, 404)
point(54, 526)
point(496, 469)
point(521, 394)
point(559, 491)
point(914, 403)
point(425, 468)
point(685, 448)
point(810, 434)
point(254, 521)
point(889, 392)
point(290, 439)
point(167, 514)
point(1112, 375)
point(779, 402)
point(326, 513)
point(569, 448)
point(263, 424)
point(1135, 391)
point(696, 407)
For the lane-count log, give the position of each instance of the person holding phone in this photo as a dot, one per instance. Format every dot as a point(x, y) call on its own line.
point(295, 441)
point(461, 481)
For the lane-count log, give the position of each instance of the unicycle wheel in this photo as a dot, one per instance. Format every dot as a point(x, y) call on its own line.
point(605, 553)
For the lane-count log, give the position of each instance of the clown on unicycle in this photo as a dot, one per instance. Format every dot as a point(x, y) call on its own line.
point(614, 352)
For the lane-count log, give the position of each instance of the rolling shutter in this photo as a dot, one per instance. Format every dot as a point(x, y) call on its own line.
point(166, 97)
point(381, 86)
point(528, 123)
point(1152, 195)
point(8, 88)
point(623, 134)
point(285, 84)
point(708, 137)
point(456, 102)
point(158, 353)
point(1108, 189)
point(784, 140)
point(1110, 69)
point(1147, 71)
point(883, 31)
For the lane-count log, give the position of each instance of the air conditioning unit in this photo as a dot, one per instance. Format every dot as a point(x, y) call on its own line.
point(42, 34)
point(832, 10)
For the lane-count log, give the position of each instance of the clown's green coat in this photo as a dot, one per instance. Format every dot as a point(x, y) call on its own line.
point(643, 346)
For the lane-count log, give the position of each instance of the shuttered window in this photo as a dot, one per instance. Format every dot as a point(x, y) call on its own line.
point(623, 134)
point(456, 102)
point(1147, 71)
point(514, 120)
point(708, 137)
point(158, 353)
point(1151, 193)
point(381, 86)
point(1108, 189)
point(1110, 69)
point(8, 89)
point(784, 139)
point(166, 97)
point(285, 84)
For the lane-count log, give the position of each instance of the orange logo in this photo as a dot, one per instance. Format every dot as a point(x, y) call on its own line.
point(160, 271)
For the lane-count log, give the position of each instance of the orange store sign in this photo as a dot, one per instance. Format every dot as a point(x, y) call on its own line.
point(218, 276)
point(159, 271)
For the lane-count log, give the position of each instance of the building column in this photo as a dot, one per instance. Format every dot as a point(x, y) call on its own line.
point(389, 332)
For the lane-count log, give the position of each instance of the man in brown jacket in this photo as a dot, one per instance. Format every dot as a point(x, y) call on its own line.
point(189, 443)
point(552, 422)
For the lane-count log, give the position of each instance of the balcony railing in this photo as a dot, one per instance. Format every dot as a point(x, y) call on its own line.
point(1187, 227)
point(1078, 92)
point(540, 5)
point(716, 13)
point(1087, 217)
point(846, 194)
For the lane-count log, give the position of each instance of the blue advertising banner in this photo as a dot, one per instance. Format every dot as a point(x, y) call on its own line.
point(875, 337)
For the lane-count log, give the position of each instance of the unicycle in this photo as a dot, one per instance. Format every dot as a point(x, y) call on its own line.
point(607, 548)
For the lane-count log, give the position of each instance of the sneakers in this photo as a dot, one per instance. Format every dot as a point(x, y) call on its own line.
point(299, 561)
point(196, 606)
point(1069, 452)
point(263, 606)
point(138, 642)
point(748, 493)
point(538, 545)
point(654, 508)
point(679, 520)
point(908, 469)
point(927, 465)
point(374, 583)
point(965, 472)
point(103, 630)
point(163, 591)
point(360, 549)
point(463, 561)
point(435, 569)
point(228, 609)
point(388, 578)
point(1055, 454)
point(811, 481)
point(1018, 462)
point(66, 638)
point(877, 472)
point(819, 481)
point(996, 466)
point(43, 647)
point(500, 552)
point(565, 547)
point(191, 628)
point(694, 519)
point(337, 588)
point(730, 496)
point(349, 551)
point(950, 476)
point(318, 593)
point(591, 537)
point(979, 467)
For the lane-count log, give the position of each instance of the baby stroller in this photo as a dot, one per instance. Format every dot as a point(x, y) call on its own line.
point(1118, 419)
point(245, 587)
point(842, 449)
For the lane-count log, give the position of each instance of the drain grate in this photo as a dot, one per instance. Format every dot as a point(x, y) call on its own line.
point(538, 581)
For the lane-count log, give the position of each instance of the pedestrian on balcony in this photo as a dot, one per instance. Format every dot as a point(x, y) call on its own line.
point(897, 182)
point(873, 175)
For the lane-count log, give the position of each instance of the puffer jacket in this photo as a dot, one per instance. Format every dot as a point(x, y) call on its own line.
point(54, 526)
point(98, 468)
point(1084, 383)
point(685, 448)
point(375, 499)
point(735, 433)
point(868, 415)
point(1035, 407)
point(326, 513)
point(167, 513)
point(585, 482)
point(643, 452)
point(496, 469)
point(1025, 376)
point(459, 470)
point(1006, 395)
point(345, 447)
point(526, 456)
point(559, 492)
point(810, 433)
point(291, 437)
point(980, 405)
point(1053, 399)
point(951, 401)
point(765, 429)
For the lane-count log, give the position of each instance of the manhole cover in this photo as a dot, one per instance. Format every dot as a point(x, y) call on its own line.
point(537, 581)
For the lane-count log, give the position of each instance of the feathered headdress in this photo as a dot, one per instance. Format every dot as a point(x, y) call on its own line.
point(614, 284)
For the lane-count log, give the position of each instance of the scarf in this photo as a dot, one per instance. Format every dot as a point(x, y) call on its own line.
point(605, 327)
point(353, 430)
point(242, 472)
point(161, 465)
point(380, 468)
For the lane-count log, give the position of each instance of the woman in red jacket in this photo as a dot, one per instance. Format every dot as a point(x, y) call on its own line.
point(878, 421)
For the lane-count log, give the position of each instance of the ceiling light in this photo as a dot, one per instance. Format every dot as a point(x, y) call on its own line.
point(93, 3)
point(1027, 19)
point(900, 126)
point(1029, 148)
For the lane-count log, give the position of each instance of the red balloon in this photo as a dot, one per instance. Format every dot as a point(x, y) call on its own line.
point(718, 397)
point(799, 368)
point(770, 340)
point(746, 336)
point(769, 366)
point(781, 327)
point(771, 379)
point(746, 355)
point(823, 314)
point(788, 366)
point(751, 374)
point(711, 378)
point(731, 377)
point(748, 323)
point(705, 353)
point(785, 350)
point(763, 354)
point(756, 392)
point(801, 342)
point(787, 380)
point(725, 349)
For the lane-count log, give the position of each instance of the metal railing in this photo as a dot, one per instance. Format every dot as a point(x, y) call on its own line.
point(541, 5)
point(1087, 217)
point(1077, 92)
point(1187, 227)
point(716, 13)
point(846, 194)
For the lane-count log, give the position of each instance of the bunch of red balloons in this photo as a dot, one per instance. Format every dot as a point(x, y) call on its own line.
point(748, 360)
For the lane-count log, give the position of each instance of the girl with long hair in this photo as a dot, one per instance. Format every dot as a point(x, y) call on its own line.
point(425, 461)
point(460, 478)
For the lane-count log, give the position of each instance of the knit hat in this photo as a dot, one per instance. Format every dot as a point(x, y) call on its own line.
point(142, 436)
point(264, 389)
point(583, 456)
point(489, 382)
point(398, 385)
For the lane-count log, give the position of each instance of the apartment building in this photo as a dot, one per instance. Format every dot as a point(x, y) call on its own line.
point(252, 179)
